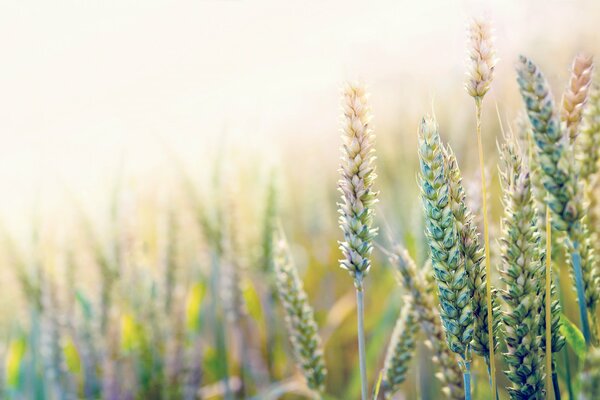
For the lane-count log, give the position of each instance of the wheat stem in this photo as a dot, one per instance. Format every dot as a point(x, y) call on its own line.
point(467, 379)
point(362, 358)
point(548, 301)
point(585, 323)
point(486, 239)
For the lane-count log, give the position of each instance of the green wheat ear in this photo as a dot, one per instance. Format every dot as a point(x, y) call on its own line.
point(559, 177)
point(400, 350)
point(454, 288)
point(539, 193)
point(523, 275)
point(473, 255)
point(300, 321)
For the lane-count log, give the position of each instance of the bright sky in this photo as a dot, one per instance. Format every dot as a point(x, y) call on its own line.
point(86, 84)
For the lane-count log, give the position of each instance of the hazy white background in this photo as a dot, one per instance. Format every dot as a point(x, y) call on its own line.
point(87, 86)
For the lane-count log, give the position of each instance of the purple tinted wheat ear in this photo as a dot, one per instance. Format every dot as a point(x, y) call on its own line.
point(576, 94)
point(482, 59)
point(356, 184)
point(358, 198)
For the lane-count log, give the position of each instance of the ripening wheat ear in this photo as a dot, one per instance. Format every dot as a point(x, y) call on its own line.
point(558, 167)
point(576, 94)
point(522, 273)
point(482, 59)
point(356, 184)
point(301, 325)
point(357, 201)
point(427, 315)
point(400, 350)
point(473, 255)
point(454, 288)
point(444, 240)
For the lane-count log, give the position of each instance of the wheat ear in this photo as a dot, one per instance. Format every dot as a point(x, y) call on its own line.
point(559, 178)
point(576, 93)
point(300, 321)
point(473, 255)
point(522, 273)
point(400, 350)
point(454, 288)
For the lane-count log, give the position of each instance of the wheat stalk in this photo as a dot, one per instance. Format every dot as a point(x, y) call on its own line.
point(300, 321)
point(576, 93)
point(357, 171)
point(427, 315)
point(400, 350)
point(480, 73)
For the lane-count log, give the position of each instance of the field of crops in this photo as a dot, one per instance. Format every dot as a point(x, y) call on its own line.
point(406, 217)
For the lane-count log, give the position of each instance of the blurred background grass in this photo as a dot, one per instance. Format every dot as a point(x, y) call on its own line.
point(140, 137)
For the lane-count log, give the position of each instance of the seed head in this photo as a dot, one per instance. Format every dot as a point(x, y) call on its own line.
point(454, 288)
point(400, 350)
point(301, 325)
point(482, 59)
point(522, 274)
point(472, 253)
point(576, 93)
point(558, 170)
point(357, 171)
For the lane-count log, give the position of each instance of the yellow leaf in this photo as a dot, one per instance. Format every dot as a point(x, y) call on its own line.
point(71, 355)
point(14, 357)
point(252, 300)
point(193, 305)
point(130, 333)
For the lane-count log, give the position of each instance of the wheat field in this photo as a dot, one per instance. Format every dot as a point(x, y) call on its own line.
point(230, 200)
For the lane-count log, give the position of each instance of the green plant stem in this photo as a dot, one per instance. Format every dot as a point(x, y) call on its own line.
point(467, 379)
point(555, 385)
point(360, 308)
point(486, 238)
point(487, 363)
point(585, 323)
point(548, 301)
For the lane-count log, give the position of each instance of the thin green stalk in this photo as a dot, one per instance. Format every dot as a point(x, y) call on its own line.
point(555, 385)
point(570, 388)
point(360, 309)
point(467, 379)
point(548, 302)
point(486, 237)
point(585, 324)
